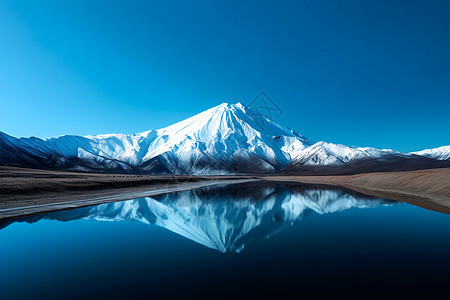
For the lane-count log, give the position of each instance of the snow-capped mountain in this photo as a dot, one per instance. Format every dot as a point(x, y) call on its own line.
point(222, 139)
point(440, 153)
point(226, 218)
point(226, 139)
point(323, 153)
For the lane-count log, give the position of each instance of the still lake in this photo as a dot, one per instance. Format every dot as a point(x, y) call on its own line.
point(265, 240)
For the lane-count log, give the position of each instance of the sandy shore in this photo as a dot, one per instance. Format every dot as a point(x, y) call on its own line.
point(425, 188)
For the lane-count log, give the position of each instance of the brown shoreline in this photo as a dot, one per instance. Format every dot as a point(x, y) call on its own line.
point(29, 191)
point(429, 189)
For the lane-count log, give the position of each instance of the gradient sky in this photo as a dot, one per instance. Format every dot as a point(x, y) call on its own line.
point(360, 73)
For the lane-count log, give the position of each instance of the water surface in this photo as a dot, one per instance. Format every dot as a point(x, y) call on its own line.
point(230, 241)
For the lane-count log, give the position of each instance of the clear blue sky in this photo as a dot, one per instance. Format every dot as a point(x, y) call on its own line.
point(360, 73)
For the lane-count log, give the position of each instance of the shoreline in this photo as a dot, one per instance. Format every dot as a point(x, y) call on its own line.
point(29, 191)
point(21, 211)
point(25, 187)
point(429, 189)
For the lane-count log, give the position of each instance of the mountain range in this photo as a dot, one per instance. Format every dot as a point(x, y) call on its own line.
point(226, 139)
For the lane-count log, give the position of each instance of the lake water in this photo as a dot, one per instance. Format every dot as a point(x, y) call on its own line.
point(234, 241)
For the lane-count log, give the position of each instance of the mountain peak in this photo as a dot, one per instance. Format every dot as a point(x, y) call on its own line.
point(225, 106)
point(230, 105)
point(440, 153)
point(229, 119)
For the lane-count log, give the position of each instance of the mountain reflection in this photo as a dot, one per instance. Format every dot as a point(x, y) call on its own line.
point(226, 218)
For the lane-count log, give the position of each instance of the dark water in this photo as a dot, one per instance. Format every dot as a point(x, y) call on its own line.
point(236, 241)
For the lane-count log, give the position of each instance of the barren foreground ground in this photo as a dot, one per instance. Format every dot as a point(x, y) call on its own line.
point(28, 191)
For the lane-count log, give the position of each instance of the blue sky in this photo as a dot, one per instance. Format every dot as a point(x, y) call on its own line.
point(360, 73)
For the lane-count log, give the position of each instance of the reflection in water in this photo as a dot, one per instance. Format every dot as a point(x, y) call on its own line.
point(225, 218)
